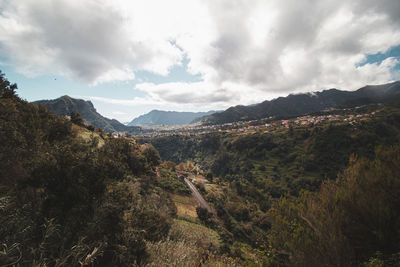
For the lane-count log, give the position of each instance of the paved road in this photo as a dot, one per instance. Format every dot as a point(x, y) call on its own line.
point(198, 196)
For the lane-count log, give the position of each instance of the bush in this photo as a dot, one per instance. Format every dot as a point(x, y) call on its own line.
point(348, 221)
point(76, 118)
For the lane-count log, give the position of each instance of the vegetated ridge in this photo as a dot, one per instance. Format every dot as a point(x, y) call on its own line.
point(289, 184)
point(322, 193)
point(297, 104)
point(71, 195)
point(64, 105)
point(169, 118)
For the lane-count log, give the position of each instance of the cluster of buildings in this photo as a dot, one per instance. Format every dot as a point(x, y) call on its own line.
point(265, 125)
point(304, 121)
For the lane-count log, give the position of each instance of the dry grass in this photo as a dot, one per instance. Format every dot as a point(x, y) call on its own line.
point(172, 253)
point(186, 205)
point(188, 244)
point(214, 190)
point(87, 135)
point(194, 233)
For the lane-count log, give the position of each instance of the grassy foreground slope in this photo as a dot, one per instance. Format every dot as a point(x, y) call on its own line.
point(72, 196)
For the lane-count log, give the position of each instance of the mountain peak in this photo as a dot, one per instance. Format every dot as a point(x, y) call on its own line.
point(65, 97)
point(170, 118)
point(64, 105)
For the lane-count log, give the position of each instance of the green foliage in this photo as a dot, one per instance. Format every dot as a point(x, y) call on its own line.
point(7, 90)
point(68, 201)
point(76, 118)
point(65, 201)
point(255, 170)
point(169, 180)
point(151, 154)
point(347, 221)
point(284, 162)
point(203, 214)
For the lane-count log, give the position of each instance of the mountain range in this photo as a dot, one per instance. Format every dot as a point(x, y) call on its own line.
point(297, 104)
point(64, 105)
point(170, 118)
point(291, 105)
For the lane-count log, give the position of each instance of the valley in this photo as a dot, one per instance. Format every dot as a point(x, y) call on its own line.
point(249, 192)
point(199, 133)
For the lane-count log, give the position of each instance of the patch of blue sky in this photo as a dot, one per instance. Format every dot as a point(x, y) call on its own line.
point(49, 86)
point(54, 86)
point(379, 57)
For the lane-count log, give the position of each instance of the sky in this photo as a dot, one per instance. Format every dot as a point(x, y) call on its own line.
point(129, 57)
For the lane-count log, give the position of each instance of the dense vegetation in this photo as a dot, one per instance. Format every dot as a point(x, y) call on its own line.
point(70, 195)
point(70, 201)
point(253, 172)
point(287, 160)
point(353, 220)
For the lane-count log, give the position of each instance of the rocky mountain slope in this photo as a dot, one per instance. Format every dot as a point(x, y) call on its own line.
point(64, 105)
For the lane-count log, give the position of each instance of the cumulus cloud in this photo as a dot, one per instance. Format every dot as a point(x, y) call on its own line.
point(245, 51)
point(302, 43)
point(92, 41)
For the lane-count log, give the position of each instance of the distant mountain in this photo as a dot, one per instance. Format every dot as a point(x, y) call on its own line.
point(298, 104)
point(64, 105)
point(170, 118)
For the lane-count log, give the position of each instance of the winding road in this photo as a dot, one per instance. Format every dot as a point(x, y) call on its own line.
point(198, 196)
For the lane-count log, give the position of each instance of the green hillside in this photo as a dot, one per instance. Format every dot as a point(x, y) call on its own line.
point(256, 172)
point(297, 104)
point(312, 194)
point(289, 158)
point(72, 196)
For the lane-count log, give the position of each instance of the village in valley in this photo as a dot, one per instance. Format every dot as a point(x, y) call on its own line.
point(351, 116)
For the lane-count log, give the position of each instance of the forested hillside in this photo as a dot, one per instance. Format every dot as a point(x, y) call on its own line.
point(66, 200)
point(73, 196)
point(264, 183)
point(287, 159)
point(311, 195)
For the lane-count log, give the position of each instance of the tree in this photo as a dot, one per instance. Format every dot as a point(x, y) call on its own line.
point(209, 177)
point(151, 154)
point(76, 118)
point(203, 214)
point(348, 221)
point(7, 90)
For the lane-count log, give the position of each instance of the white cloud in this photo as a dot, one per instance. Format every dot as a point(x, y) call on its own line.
point(92, 41)
point(246, 51)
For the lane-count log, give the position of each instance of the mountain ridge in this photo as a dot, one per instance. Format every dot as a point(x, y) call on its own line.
point(297, 104)
point(64, 105)
point(170, 118)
